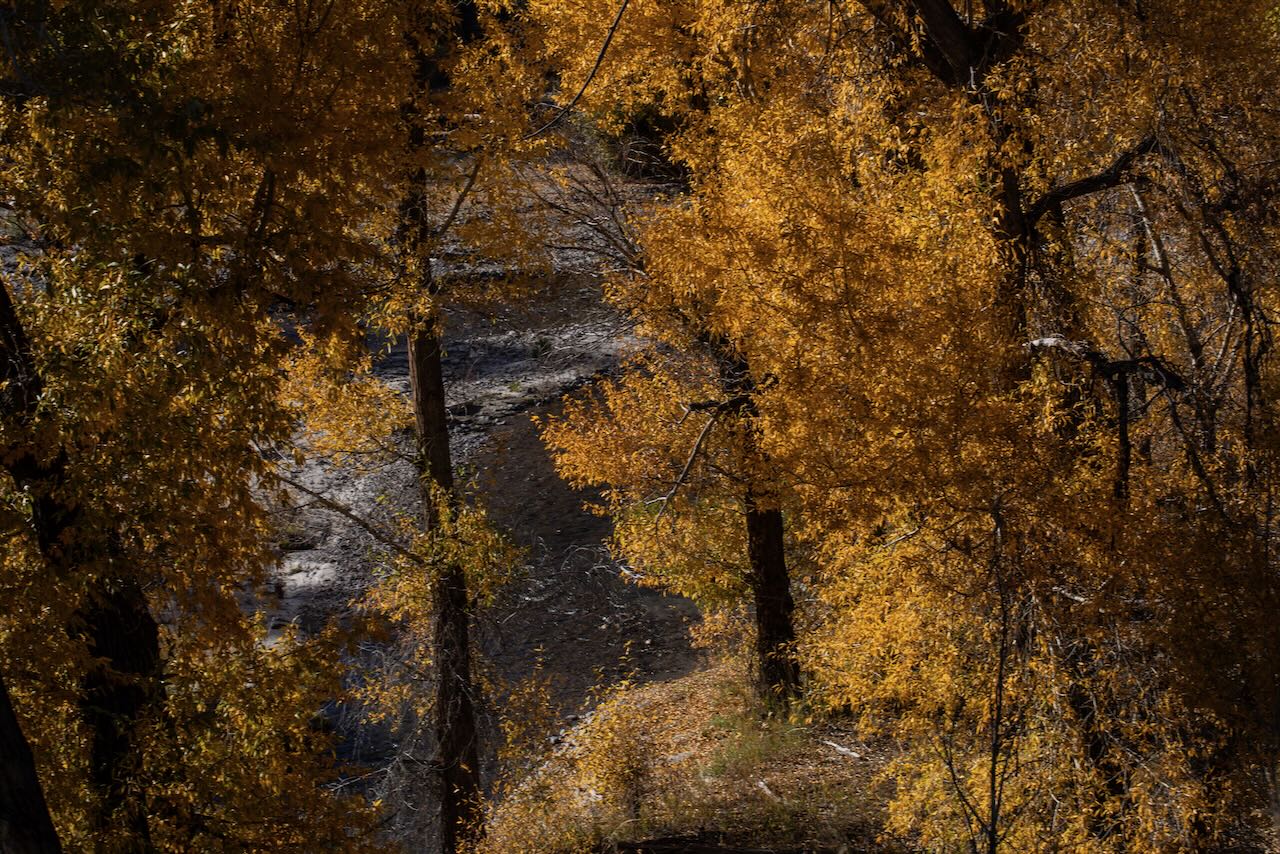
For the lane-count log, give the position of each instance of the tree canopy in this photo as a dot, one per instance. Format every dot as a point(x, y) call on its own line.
point(957, 378)
point(1001, 273)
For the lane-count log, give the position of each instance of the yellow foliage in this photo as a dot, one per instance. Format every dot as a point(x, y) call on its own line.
point(1007, 313)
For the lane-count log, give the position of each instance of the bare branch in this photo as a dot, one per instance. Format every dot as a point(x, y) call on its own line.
point(342, 510)
point(688, 465)
point(462, 197)
point(1194, 345)
point(717, 408)
point(1193, 456)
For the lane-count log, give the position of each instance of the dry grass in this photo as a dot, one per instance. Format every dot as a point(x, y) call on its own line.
point(696, 754)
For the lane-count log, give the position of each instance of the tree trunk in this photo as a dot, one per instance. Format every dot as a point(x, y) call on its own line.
point(25, 826)
point(457, 759)
point(771, 589)
point(456, 737)
point(121, 631)
point(116, 623)
point(455, 722)
point(118, 626)
point(766, 556)
point(426, 379)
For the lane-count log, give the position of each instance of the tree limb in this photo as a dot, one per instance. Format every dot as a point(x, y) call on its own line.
point(345, 512)
point(1114, 175)
point(927, 51)
point(462, 197)
point(608, 39)
point(688, 464)
point(1153, 368)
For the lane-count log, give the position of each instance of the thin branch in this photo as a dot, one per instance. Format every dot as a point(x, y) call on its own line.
point(1223, 367)
point(688, 465)
point(608, 39)
point(462, 197)
point(1194, 346)
point(1197, 465)
point(342, 510)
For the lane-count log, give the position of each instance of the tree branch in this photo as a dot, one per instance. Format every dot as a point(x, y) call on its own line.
point(1153, 369)
point(345, 512)
point(717, 408)
point(608, 39)
point(688, 464)
point(927, 52)
point(462, 197)
point(1114, 175)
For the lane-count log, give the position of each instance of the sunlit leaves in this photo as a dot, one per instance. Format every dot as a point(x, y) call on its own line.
point(1011, 548)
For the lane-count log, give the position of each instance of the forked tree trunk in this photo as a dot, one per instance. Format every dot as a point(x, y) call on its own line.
point(457, 758)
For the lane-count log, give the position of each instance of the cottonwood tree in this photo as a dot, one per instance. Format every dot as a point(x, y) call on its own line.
point(713, 482)
point(463, 117)
point(1004, 266)
point(674, 444)
point(178, 176)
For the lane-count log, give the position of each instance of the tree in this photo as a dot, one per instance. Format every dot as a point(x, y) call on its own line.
point(453, 157)
point(655, 476)
point(25, 824)
point(177, 175)
point(674, 444)
point(979, 253)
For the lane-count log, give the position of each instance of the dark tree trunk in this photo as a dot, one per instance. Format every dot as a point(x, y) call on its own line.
point(771, 589)
point(25, 826)
point(457, 759)
point(116, 623)
point(426, 379)
point(766, 555)
point(455, 717)
point(456, 735)
point(456, 738)
point(120, 630)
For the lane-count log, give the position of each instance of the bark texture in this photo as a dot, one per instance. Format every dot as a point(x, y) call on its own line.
point(771, 590)
point(457, 758)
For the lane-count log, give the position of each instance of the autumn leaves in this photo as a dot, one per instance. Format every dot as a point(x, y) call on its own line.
point(1003, 542)
point(960, 380)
